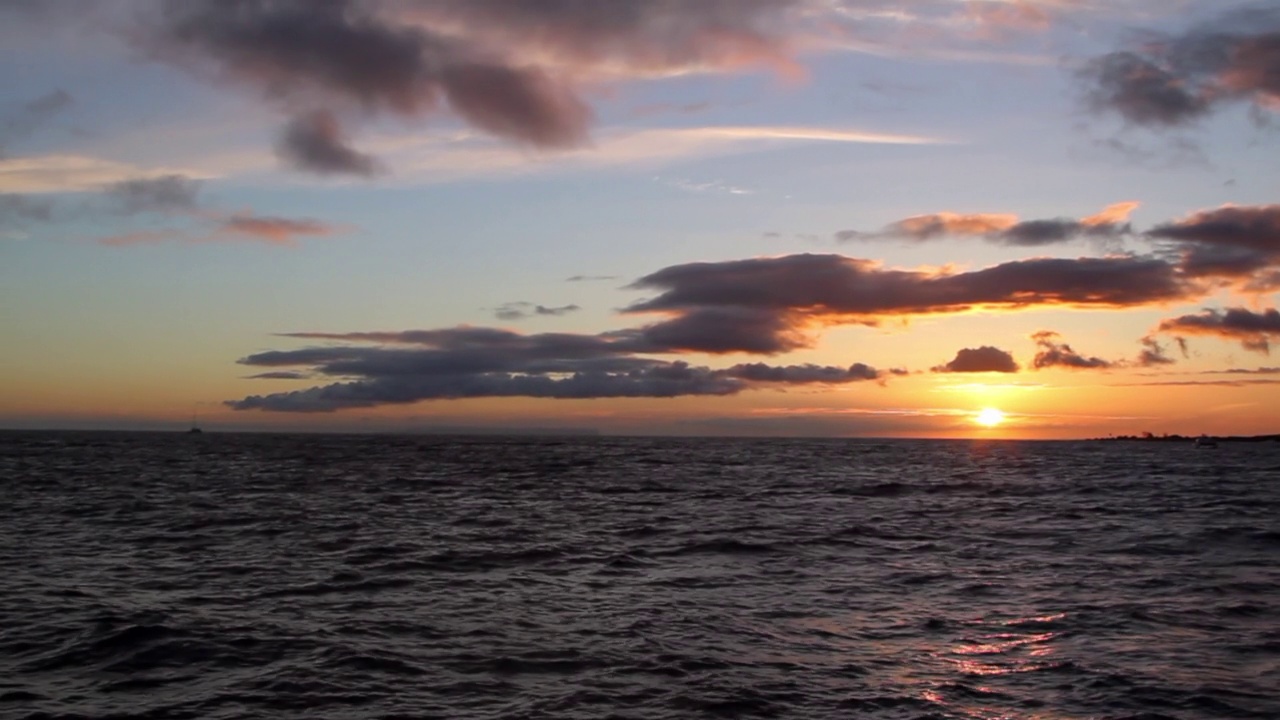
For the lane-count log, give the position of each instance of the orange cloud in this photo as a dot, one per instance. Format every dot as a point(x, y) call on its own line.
point(922, 227)
point(274, 230)
point(1113, 214)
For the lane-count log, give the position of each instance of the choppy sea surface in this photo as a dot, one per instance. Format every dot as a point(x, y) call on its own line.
point(278, 576)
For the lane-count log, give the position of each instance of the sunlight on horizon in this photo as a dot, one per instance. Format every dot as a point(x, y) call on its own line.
point(990, 417)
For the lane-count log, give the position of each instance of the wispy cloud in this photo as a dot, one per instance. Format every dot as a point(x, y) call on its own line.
point(715, 187)
point(419, 159)
point(75, 173)
point(523, 310)
point(233, 227)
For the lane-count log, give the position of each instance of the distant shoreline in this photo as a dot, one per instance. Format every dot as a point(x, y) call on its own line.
point(1192, 438)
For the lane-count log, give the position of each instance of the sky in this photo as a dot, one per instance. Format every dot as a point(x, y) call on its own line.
point(935, 218)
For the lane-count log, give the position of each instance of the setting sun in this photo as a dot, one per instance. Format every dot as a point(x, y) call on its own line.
point(989, 417)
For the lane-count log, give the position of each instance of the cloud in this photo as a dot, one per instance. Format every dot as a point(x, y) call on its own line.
point(34, 114)
point(634, 38)
point(274, 230)
point(1230, 241)
point(926, 227)
point(1175, 81)
point(1244, 371)
point(279, 375)
point(511, 70)
point(980, 360)
point(1054, 353)
point(165, 193)
point(1254, 330)
point(315, 143)
point(1205, 383)
point(1143, 90)
point(469, 362)
point(770, 305)
point(132, 196)
point(404, 60)
point(719, 330)
point(1153, 353)
point(1113, 214)
point(170, 194)
point(590, 278)
point(73, 173)
point(19, 210)
point(435, 159)
point(1003, 229)
point(522, 310)
point(217, 227)
point(802, 374)
point(711, 186)
point(838, 288)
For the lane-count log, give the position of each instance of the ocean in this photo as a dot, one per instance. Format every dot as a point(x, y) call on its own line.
point(313, 576)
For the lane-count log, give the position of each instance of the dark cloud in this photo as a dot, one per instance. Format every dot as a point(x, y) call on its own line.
point(850, 289)
point(467, 362)
point(1143, 90)
point(279, 375)
point(720, 330)
point(1054, 353)
point(523, 104)
point(521, 310)
point(801, 374)
point(980, 360)
point(1033, 233)
point(161, 194)
point(1230, 241)
point(507, 68)
point(1254, 330)
point(673, 380)
point(315, 143)
point(356, 55)
point(1177, 80)
point(34, 114)
point(1153, 353)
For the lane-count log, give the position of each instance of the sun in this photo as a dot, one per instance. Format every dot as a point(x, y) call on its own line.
point(989, 417)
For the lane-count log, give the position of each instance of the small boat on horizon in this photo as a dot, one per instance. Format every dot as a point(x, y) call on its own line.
point(1204, 441)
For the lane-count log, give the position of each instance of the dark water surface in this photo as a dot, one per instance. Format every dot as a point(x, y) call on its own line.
point(230, 576)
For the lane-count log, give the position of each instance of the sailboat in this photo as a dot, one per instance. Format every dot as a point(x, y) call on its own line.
point(195, 429)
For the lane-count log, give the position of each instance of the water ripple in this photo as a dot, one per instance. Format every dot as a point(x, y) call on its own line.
point(228, 576)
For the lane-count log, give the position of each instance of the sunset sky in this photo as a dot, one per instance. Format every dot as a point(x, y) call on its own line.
point(676, 217)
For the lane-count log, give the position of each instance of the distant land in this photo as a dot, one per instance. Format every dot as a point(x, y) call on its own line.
point(1152, 437)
